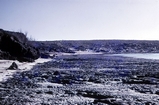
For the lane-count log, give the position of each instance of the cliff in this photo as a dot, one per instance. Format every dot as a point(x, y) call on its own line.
point(15, 46)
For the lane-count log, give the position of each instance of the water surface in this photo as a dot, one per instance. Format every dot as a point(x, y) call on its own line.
point(140, 55)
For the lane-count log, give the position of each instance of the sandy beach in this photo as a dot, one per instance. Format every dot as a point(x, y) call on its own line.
point(25, 66)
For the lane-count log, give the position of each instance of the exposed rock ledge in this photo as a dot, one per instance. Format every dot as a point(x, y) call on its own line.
point(15, 46)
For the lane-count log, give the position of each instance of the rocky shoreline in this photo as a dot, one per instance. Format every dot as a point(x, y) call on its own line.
point(78, 73)
point(103, 80)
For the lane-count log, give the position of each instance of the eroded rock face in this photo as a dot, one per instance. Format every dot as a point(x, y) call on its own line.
point(17, 46)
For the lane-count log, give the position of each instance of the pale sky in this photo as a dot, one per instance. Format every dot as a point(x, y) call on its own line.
point(82, 19)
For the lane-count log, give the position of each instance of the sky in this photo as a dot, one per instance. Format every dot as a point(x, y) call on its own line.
point(47, 20)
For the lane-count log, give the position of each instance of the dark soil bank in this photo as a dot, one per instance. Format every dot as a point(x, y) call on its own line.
point(85, 80)
point(16, 46)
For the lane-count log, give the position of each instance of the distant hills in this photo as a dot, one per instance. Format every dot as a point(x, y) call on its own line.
point(105, 46)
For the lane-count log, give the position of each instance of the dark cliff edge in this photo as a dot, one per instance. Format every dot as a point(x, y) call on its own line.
point(16, 46)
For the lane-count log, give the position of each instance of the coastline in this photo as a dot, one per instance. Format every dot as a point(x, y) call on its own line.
point(23, 66)
point(88, 81)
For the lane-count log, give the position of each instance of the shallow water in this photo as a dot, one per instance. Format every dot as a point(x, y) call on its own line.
point(103, 56)
point(140, 55)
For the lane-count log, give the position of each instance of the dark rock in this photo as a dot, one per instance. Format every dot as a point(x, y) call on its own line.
point(46, 55)
point(94, 94)
point(106, 101)
point(149, 103)
point(49, 92)
point(44, 104)
point(70, 92)
point(66, 81)
point(56, 73)
point(17, 47)
point(45, 76)
point(110, 101)
point(138, 80)
point(13, 66)
point(49, 86)
point(39, 92)
point(157, 92)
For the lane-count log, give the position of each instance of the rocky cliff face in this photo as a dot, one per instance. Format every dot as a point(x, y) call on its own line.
point(15, 45)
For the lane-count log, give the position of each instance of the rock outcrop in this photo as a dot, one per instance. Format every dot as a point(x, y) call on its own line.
point(13, 66)
point(15, 45)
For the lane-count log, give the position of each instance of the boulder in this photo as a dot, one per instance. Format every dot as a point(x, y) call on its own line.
point(17, 46)
point(45, 55)
point(13, 66)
